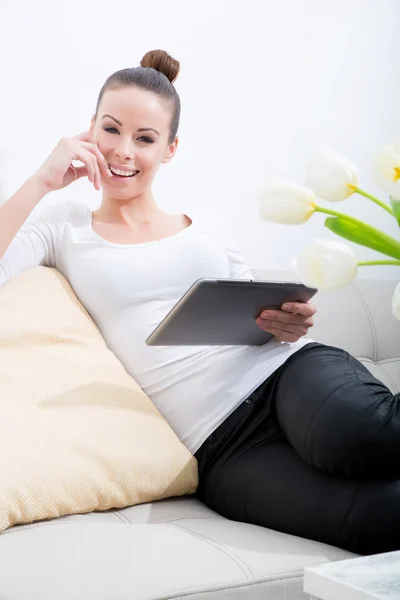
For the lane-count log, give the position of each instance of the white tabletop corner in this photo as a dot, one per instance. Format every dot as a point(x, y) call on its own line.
point(375, 577)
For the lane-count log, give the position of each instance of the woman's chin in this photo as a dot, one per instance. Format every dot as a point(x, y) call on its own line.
point(121, 192)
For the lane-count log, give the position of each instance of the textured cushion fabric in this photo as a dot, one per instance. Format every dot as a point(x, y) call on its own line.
point(77, 434)
point(175, 548)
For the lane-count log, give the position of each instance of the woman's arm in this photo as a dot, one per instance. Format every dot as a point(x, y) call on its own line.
point(35, 243)
point(17, 209)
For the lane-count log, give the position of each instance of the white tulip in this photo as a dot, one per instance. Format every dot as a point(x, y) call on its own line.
point(331, 177)
point(395, 144)
point(284, 202)
point(396, 302)
point(386, 169)
point(326, 265)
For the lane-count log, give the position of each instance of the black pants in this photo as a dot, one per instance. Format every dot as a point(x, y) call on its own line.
point(313, 452)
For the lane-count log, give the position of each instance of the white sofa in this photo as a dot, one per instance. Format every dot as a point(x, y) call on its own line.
point(178, 548)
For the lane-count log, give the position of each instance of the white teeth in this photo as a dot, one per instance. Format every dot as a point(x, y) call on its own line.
point(123, 173)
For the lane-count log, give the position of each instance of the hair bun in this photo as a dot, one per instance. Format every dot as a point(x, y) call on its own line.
point(163, 62)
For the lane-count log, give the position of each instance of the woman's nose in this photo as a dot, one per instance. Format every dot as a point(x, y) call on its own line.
point(125, 149)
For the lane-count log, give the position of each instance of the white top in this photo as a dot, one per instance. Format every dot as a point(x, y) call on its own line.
point(129, 288)
point(365, 578)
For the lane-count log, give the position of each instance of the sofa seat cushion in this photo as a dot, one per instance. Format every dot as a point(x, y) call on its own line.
point(167, 549)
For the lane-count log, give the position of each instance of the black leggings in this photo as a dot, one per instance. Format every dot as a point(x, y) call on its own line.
point(313, 452)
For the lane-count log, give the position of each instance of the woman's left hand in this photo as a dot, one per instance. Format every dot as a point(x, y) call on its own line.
point(290, 323)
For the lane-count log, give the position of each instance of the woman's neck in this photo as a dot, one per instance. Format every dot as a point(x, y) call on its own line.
point(130, 212)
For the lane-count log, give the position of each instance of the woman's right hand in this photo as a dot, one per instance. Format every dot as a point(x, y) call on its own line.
point(57, 171)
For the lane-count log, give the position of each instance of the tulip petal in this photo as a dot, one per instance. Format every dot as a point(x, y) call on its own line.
point(331, 177)
point(364, 235)
point(385, 163)
point(285, 202)
point(326, 265)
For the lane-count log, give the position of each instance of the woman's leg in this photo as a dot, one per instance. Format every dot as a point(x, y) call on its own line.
point(270, 485)
point(337, 416)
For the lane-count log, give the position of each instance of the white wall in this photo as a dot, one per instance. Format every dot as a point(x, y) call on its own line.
point(264, 85)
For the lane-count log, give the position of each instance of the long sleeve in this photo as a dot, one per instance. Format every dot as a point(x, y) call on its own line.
point(238, 267)
point(34, 244)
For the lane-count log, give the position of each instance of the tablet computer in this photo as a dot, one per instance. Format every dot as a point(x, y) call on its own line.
point(222, 312)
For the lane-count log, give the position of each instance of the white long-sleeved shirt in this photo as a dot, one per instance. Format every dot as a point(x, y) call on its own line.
point(128, 289)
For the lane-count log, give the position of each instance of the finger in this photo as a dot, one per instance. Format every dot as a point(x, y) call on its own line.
point(298, 330)
point(281, 316)
point(92, 168)
point(283, 336)
point(97, 175)
point(80, 171)
point(301, 322)
point(88, 160)
point(102, 161)
point(84, 136)
point(96, 172)
point(301, 308)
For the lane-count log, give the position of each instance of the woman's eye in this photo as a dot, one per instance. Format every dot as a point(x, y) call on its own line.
point(111, 129)
point(146, 139)
point(142, 138)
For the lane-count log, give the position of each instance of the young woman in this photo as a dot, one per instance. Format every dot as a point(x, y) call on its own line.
point(292, 435)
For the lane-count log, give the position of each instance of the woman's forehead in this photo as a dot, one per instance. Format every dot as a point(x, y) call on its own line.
point(132, 105)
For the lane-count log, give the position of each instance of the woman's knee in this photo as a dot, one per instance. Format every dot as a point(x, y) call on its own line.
point(363, 441)
point(338, 417)
point(373, 522)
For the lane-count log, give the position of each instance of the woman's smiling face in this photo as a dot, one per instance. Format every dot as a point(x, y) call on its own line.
point(132, 130)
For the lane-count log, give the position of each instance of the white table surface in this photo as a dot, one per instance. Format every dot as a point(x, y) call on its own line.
point(364, 578)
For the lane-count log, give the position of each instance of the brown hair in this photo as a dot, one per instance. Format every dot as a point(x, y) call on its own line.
point(157, 73)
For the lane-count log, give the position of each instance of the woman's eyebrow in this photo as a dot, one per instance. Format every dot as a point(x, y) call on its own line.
point(148, 129)
point(113, 118)
point(141, 129)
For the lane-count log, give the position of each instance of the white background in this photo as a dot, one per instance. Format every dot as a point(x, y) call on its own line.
point(264, 85)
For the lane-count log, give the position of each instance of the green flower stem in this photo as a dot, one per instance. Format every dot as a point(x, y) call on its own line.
point(396, 208)
point(335, 213)
point(378, 202)
point(367, 263)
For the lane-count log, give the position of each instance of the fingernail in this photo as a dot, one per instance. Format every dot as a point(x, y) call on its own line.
point(287, 306)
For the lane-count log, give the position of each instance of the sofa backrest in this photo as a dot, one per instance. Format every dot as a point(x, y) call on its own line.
point(359, 319)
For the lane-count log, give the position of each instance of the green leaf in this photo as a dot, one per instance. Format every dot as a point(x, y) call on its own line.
point(396, 208)
point(364, 235)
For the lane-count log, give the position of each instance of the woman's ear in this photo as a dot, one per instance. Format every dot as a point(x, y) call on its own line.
point(171, 150)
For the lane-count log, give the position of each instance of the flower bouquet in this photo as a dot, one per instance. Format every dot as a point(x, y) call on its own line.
point(327, 264)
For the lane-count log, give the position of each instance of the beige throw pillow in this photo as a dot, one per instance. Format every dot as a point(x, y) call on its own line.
point(77, 434)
